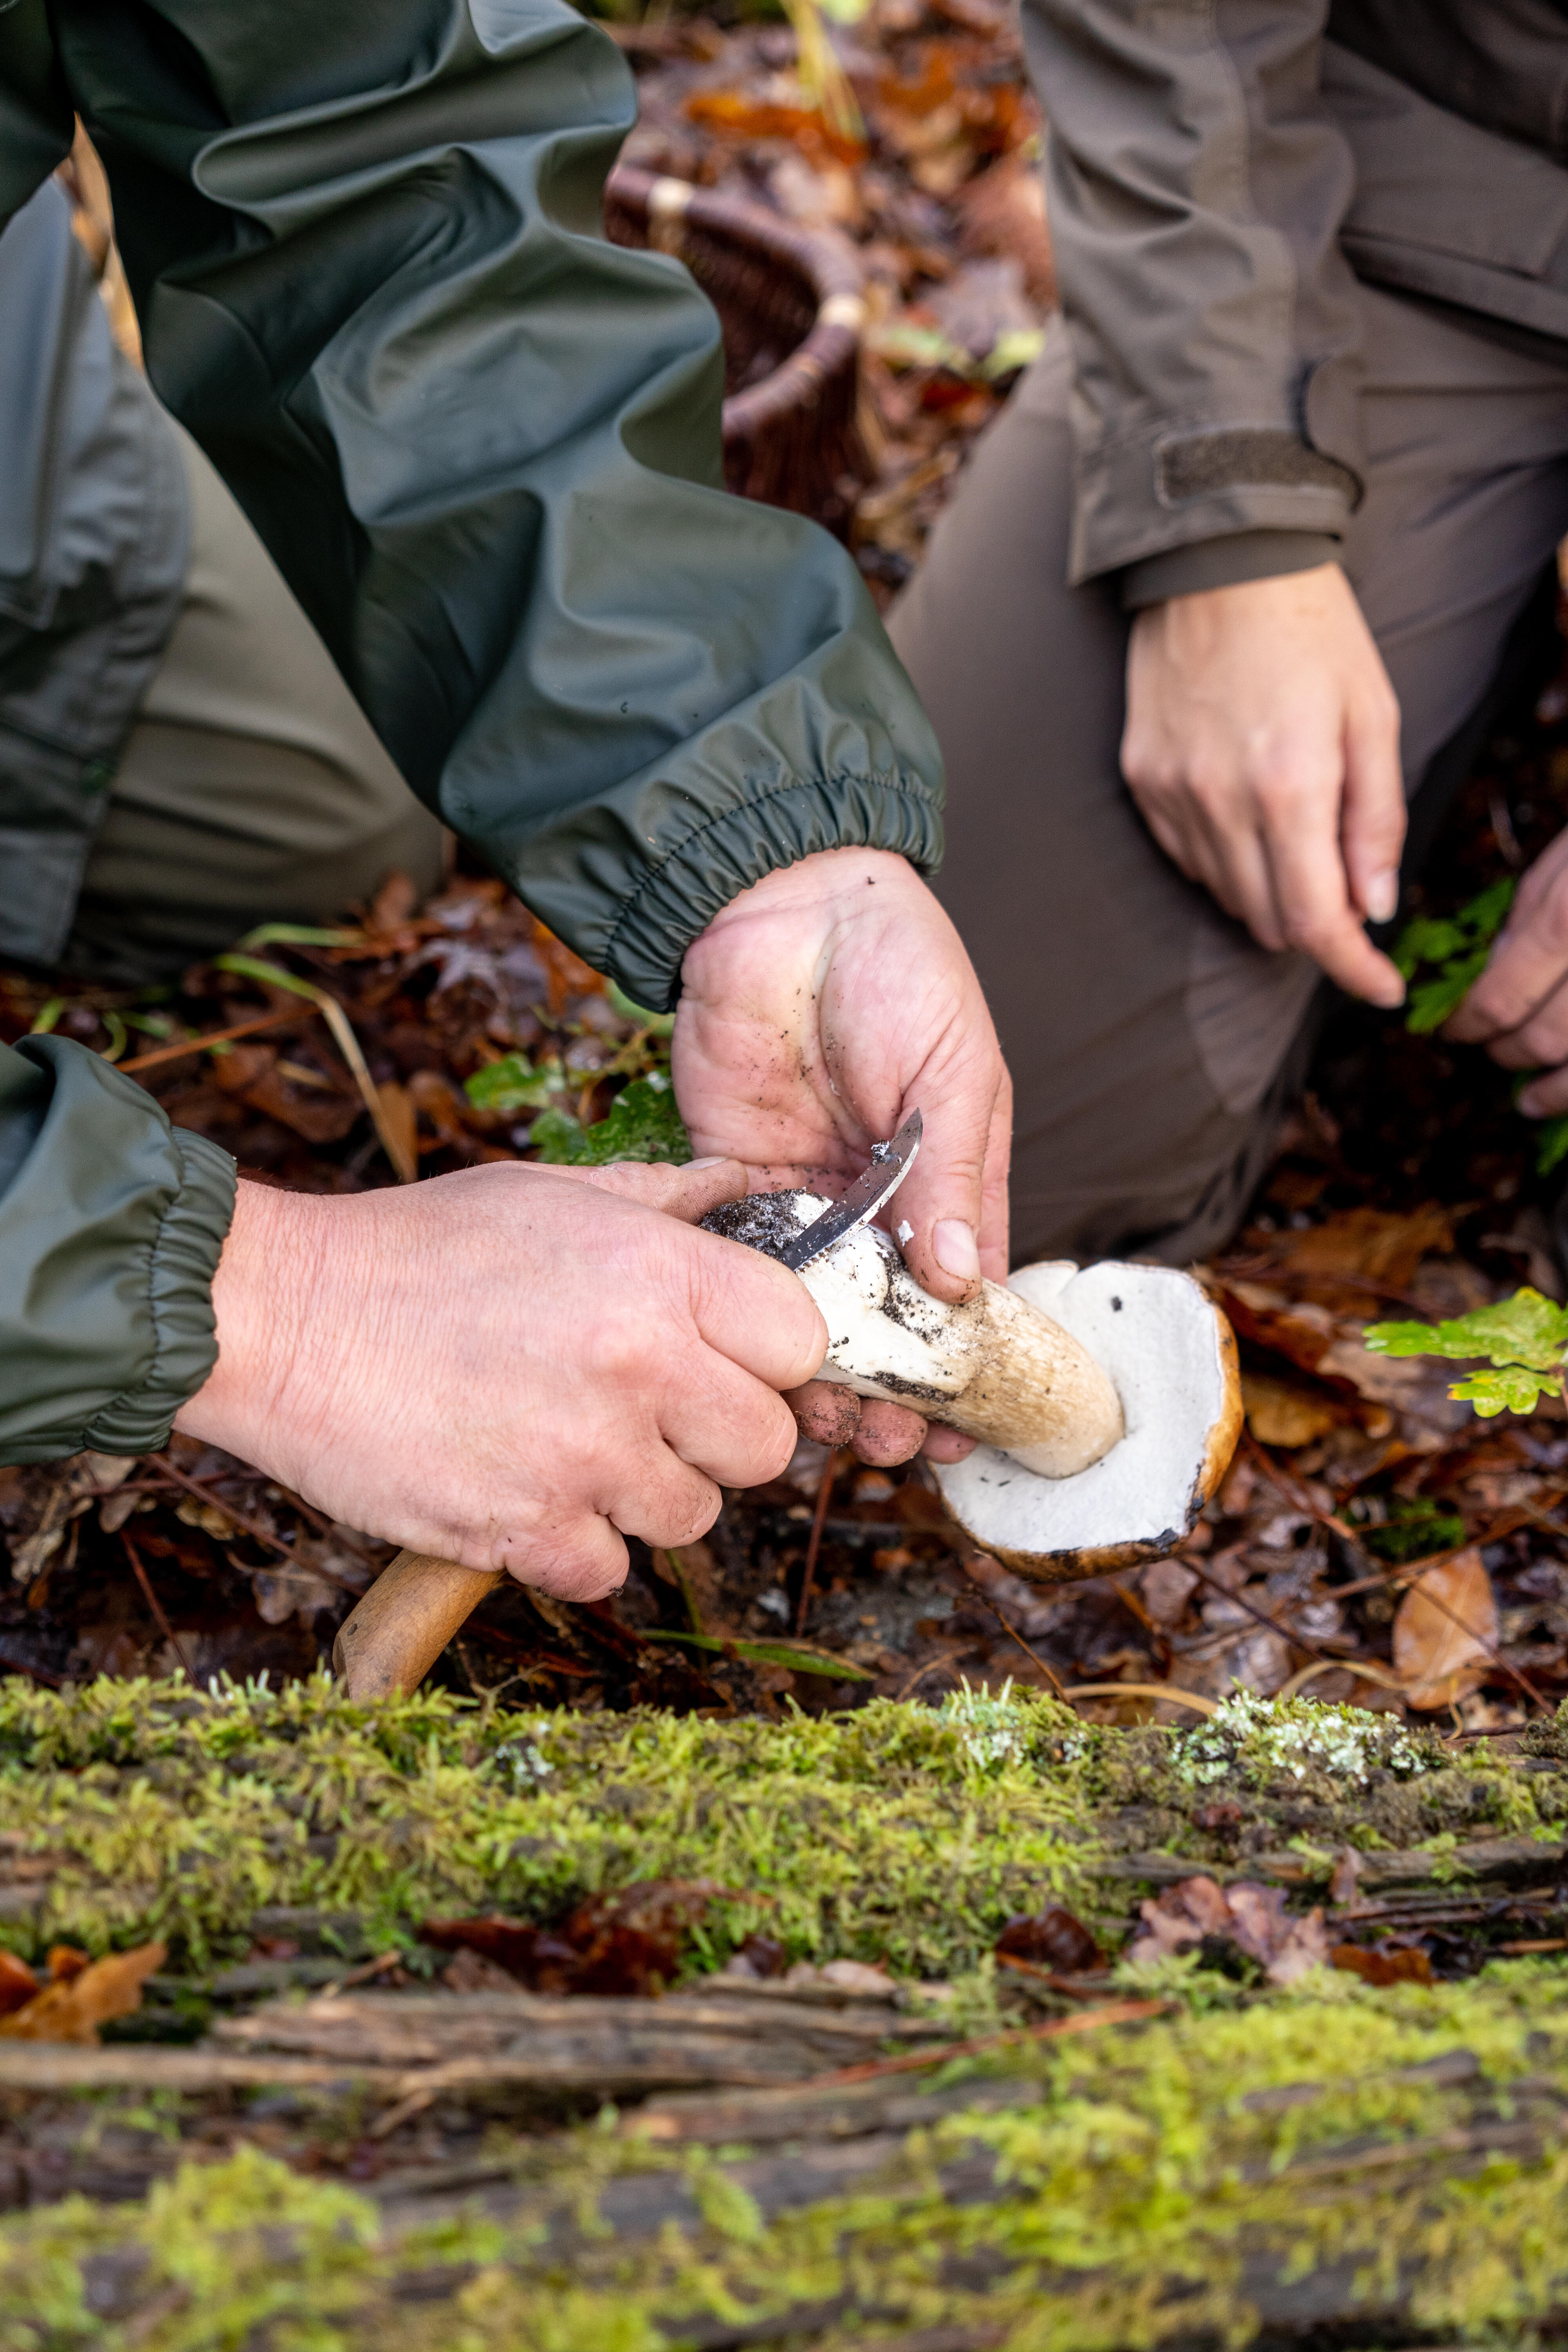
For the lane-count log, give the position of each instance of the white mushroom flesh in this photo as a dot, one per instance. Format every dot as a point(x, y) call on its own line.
point(1169, 1352)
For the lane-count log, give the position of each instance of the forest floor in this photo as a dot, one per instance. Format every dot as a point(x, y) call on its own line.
point(993, 2018)
point(1405, 1184)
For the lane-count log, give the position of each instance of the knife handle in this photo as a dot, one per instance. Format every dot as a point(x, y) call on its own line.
point(391, 1639)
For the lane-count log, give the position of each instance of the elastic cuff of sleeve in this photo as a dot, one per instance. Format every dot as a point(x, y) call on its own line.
point(180, 1286)
point(714, 864)
point(1224, 563)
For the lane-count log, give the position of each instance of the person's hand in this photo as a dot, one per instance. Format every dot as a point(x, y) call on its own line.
point(1519, 1007)
point(1262, 747)
point(510, 1368)
point(817, 1009)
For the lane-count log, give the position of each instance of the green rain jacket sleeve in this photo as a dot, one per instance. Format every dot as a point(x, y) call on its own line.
point(482, 446)
point(111, 1223)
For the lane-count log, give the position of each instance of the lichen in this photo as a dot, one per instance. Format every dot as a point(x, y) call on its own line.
point(1259, 1739)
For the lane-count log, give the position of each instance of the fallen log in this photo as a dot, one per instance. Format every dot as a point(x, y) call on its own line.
point(1139, 2184)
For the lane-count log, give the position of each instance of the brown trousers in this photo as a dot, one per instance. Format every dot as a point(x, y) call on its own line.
point(1153, 1046)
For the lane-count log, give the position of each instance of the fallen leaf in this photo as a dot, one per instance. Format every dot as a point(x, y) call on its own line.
point(1003, 211)
point(1446, 1624)
point(1375, 1966)
point(1051, 1938)
point(1384, 1248)
point(758, 1956)
point(74, 2006)
point(630, 1942)
point(17, 1983)
point(1280, 1414)
point(1251, 1918)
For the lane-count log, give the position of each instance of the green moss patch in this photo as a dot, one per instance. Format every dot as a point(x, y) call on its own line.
point(895, 1832)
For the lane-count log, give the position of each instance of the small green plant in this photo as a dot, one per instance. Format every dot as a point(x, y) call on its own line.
point(643, 1124)
point(1524, 1339)
point(1410, 1526)
point(1454, 949)
point(514, 1083)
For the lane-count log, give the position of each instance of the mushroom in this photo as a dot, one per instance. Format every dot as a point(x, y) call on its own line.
point(1106, 1403)
point(1172, 1356)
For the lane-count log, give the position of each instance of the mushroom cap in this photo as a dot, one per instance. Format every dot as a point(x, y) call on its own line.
point(1172, 1356)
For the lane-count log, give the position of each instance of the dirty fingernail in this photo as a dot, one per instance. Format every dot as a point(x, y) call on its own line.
point(955, 1249)
point(1382, 896)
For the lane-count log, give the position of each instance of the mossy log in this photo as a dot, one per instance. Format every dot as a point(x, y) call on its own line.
point(1391, 2165)
point(1393, 2161)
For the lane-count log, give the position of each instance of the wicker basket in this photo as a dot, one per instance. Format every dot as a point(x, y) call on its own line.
point(789, 305)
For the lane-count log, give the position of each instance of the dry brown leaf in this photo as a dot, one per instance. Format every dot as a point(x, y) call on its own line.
point(1280, 1414)
point(1252, 1917)
point(72, 2008)
point(1383, 1965)
point(1446, 1623)
point(1373, 1243)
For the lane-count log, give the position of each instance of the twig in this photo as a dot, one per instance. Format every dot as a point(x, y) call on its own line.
point(830, 1469)
point(1068, 1985)
point(913, 2062)
point(1296, 1641)
point(948, 1658)
point(157, 1607)
point(188, 1046)
point(39, 1674)
point(1049, 1672)
point(246, 1525)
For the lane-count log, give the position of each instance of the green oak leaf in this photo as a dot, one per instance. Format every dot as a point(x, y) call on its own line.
point(1526, 1329)
point(1511, 1389)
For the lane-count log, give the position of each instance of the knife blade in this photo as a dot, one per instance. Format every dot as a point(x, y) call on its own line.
point(890, 1163)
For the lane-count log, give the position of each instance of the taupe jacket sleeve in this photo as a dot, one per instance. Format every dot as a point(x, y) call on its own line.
point(1197, 187)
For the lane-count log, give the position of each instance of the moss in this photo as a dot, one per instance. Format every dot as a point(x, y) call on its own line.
point(1145, 2195)
point(895, 1832)
point(879, 1834)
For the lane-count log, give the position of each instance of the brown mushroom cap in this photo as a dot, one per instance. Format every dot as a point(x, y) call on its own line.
point(1172, 1356)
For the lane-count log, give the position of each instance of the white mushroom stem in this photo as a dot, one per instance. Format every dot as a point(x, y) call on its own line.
point(994, 1368)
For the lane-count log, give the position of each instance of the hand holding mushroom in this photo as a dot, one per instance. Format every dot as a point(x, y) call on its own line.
point(817, 1009)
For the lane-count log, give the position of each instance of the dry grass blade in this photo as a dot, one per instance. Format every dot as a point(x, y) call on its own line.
point(1144, 1690)
point(188, 1046)
point(272, 975)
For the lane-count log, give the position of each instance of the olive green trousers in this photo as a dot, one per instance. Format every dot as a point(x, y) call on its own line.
point(251, 788)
